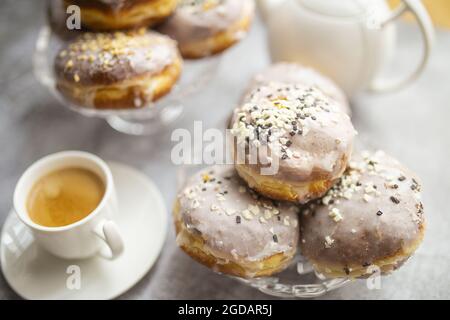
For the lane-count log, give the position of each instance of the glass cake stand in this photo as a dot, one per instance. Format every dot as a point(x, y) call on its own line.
point(299, 280)
point(143, 121)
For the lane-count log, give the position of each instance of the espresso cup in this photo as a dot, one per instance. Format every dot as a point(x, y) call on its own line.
point(95, 234)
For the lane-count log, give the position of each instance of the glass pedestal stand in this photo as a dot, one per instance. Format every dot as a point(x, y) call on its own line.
point(143, 121)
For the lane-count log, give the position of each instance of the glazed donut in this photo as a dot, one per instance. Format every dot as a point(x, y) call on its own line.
point(295, 73)
point(226, 226)
point(117, 71)
point(206, 27)
point(297, 131)
point(371, 220)
point(109, 15)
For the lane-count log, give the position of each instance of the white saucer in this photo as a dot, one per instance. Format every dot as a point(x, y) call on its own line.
point(35, 274)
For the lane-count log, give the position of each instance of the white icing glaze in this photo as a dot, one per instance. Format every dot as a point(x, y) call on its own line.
point(294, 73)
point(99, 58)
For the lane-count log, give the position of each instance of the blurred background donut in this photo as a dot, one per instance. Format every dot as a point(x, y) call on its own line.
point(107, 15)
point(117, 71)
point(207, 27)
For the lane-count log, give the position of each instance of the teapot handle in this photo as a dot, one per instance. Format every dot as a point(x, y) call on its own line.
point(427, 30)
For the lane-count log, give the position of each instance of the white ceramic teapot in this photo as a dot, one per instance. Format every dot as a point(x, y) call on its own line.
point(348, 40)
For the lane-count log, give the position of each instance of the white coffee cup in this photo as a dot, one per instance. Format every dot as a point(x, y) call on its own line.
point(96, 234)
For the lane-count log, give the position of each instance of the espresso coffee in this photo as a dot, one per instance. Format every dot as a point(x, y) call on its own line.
point(64, 197)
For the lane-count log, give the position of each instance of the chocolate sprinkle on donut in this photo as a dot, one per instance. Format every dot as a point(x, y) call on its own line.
point(395, 200)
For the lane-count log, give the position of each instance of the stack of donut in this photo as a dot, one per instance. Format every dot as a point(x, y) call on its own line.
point(348, 212)
point(117, 62)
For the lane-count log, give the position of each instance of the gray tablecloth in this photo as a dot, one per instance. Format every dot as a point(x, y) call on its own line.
point(411, 125)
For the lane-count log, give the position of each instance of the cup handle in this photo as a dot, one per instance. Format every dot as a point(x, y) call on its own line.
point(108, 231)
point(427, 30)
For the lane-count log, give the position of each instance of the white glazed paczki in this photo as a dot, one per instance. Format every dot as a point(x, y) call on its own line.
point(292, 141)
point(223, 224)
point(83, 238)
point(371, 220)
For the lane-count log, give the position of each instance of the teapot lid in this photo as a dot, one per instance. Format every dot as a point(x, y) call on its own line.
point(341, 8)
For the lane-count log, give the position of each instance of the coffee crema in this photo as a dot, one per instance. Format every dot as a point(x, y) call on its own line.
point(64, 196)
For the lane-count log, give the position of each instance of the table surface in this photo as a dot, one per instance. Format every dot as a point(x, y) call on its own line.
point(411, 125)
